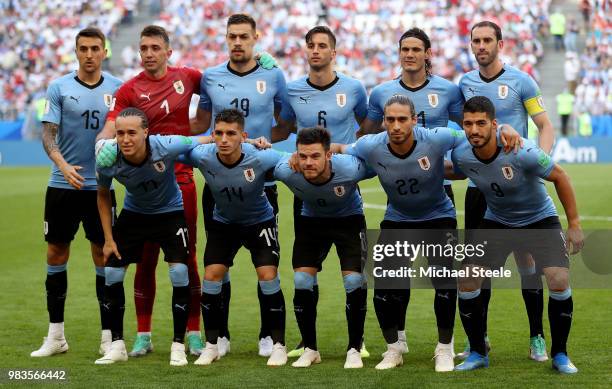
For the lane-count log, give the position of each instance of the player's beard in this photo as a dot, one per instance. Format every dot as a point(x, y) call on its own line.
point(241, 58)
point(399, 142)
point(485, 141)
point(489, 58)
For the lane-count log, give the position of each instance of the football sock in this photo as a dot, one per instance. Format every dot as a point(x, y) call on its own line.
point(470, 310)
point(560, 312)
point(445, 305)
point(264, 329)
point(180, 311)
point(226, 295)
point(104, 319)
point(56, 285)
point(210, 303)
point(533, 296)
point(403, 298)
point(356, 308)
point(387, 307)
point(304, 307)
point(144, 290)
point(115, 297)
point(179, 275)
point(274, 303)
point(195, 287)
point(485, 294)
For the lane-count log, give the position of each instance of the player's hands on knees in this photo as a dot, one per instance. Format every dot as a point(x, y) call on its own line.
point(261, 143)
point(266, 60)
point(110, 248)
point(106, 152)
point(72, 175)
point(574, 240)
point(511, 139)
point(294, 163)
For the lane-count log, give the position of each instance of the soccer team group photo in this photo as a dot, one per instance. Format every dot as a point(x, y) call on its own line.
point(380, 218)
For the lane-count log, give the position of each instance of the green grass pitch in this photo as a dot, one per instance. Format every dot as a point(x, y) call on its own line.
point(23, 315)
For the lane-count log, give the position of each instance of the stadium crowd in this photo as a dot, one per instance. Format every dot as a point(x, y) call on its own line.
point(37, 44)
point(367, 31)
point(593, 93)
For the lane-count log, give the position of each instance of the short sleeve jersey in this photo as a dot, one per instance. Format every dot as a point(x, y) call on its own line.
point(414, 182)
point(80, 111)
point(511, 183)
point(334, 106)
point(151, 186)
point(337, 197)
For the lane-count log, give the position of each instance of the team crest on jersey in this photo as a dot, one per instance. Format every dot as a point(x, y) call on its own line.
point(160, 166)
point(339, 190)
point(261, 86)
point(249, 174)
point(508, 172)
point(424, 163)
point(341, 99)
point(179, 87)
point(108, 100)
point(502, 91)
point(433, 99)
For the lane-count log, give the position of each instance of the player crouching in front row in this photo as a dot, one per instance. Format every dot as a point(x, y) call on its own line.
point(152, 211)
point(518, 204)
point(236, 176)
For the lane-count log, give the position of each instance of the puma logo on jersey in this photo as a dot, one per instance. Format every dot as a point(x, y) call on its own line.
point(304, 99)
point(75, 98)
point(147, 96)
point(221, 86)
point(473, 170)
point(381, 165)
point(211, 173)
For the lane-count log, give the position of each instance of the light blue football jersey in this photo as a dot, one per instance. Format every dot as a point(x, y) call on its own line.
point(256, 94)
point(514, 94)
point(150, 187)
point(436, 101)
point(511, 183)
point(238, 189)
point(334, 106)
point(80, 111)
point(338, 197)
point(414, 182)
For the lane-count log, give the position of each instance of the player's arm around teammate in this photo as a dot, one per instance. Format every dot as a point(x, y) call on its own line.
point(153, 212)
point(236, 175)
point(516, 202)
point(331, 214)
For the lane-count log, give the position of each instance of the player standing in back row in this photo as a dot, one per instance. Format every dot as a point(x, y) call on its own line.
point(516, 97)
point(164, 93)
point(323, 98)
point(435, 99)
point(242, 84)
point(75, 111)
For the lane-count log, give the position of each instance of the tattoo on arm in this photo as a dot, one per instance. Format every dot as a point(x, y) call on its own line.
point(48, 137)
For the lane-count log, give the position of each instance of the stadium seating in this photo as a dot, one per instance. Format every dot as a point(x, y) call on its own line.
point(594, 93)
point(37, 45)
